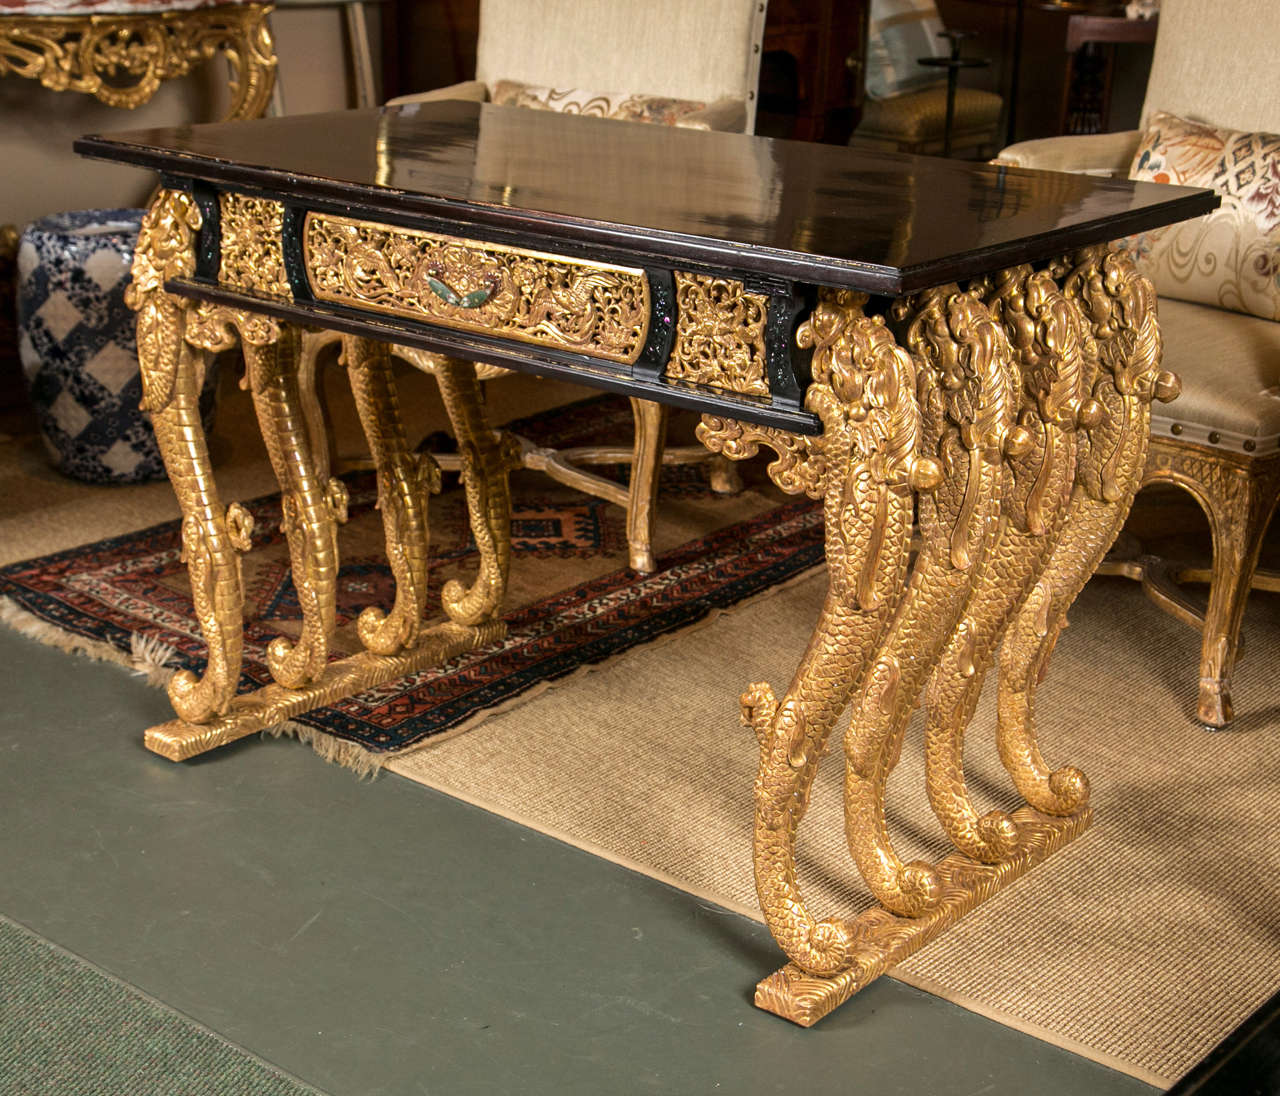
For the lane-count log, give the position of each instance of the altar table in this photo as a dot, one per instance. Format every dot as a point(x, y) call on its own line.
point(927, 345)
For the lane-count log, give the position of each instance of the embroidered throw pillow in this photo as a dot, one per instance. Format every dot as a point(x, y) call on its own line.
point(899, 33)
point(621, 105)
point(1231, 257)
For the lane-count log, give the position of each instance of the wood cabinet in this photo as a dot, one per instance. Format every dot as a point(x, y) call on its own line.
point(811, 84)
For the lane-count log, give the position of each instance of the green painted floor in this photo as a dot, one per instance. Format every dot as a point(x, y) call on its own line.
point(378, 938)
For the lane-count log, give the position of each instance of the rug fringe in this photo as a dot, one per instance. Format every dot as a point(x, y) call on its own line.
point(149, 658)
point(336, 751)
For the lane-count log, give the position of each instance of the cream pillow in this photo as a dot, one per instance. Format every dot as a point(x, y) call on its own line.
point(1231, 257)
point(621, 105)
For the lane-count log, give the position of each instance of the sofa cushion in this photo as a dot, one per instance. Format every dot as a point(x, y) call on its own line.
point(922, 115)
point(1231, 257)
point(623, 105)
point(1230, 370)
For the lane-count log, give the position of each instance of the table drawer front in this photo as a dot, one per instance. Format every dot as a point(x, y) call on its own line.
point(720, 335)
point(251, 247)
point(547, 300)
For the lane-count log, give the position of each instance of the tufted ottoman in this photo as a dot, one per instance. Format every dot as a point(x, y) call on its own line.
point(76, 342)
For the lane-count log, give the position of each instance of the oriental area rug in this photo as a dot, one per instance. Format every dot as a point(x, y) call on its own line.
point(1140, 946)
point(572, 599)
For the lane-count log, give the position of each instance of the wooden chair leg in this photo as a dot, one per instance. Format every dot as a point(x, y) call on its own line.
point(1238, 517)
point(646, 466)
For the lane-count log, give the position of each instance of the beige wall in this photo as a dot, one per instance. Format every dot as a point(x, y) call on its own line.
point(42, 175)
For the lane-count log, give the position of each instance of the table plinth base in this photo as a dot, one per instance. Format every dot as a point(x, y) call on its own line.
point(179, 740)
point(886, 939)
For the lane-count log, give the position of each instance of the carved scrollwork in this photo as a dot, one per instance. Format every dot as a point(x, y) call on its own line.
point(720, 335)
point(122, 59)
point(252, 256)
point(1043, 331)
point(544, 299)
point(405, 479)
point(164, 251)
point(966, 392)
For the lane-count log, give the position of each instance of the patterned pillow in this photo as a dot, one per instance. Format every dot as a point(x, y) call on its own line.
point(899, 33)
point(602, 104)
point(1231, 257)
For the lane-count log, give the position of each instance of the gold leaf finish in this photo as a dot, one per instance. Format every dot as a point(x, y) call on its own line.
point(719, 335)
point(312, 504)
point(1009, 421)
point(252, 251)
point(1044, 332)
point(966, 391)
point(882, 939)
point(865, 466)
point(567, 304)
point(172, 374)
point(405, 480)
point(487, 459)
point(121, 59)
point(1121, 363)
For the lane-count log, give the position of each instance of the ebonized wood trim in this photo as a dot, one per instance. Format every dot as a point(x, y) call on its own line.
point(563, 365)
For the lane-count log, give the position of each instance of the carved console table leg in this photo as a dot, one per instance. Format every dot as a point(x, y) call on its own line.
point(1043, 330)
point(486, 460)
point(998, 538)
point(170, 329)
point(312, 504)
point(172, 373)
point(865, 466)
point(966, 392)
point(405, 479)
point(1115, 306)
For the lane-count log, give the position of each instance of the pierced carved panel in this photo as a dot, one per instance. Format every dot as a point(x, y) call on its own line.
point(252, 252)
point(548, 300)
point(720, 335)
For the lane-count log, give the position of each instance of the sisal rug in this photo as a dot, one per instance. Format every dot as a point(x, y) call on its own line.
point(572, 598)
point(1141, 945)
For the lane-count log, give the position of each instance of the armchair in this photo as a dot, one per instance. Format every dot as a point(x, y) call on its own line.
point(1219, 302)
point(909, 105)
point(690, 65)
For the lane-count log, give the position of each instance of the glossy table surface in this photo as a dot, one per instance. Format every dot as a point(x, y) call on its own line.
point(881, 222)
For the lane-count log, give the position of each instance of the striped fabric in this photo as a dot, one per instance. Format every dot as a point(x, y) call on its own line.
point(899, 34)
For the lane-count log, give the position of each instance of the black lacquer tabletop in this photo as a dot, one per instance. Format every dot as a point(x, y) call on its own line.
point(876, 221)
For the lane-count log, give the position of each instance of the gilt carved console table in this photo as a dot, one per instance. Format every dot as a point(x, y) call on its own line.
point(923, 343)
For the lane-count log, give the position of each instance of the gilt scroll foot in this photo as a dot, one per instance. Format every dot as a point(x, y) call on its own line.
point(405, 479)
point(486, 461)
point(882, 940)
